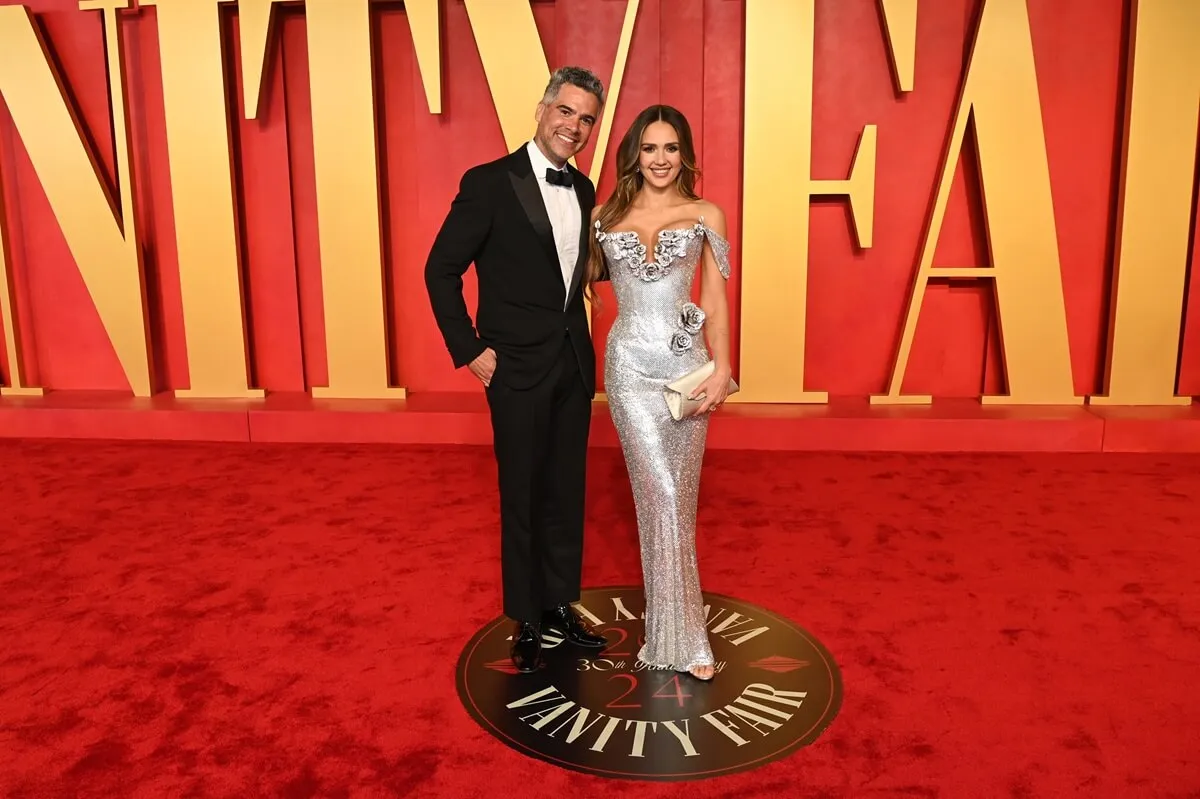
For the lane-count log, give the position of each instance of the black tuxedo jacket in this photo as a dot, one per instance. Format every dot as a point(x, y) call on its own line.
point(499, 221)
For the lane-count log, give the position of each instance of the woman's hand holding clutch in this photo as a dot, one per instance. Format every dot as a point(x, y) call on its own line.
point(714, 389)
point(699, 391)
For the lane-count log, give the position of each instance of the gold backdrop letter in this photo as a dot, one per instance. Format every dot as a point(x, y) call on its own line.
point(12, 340)
point(900, 22)
point(778, 141)
point(348, 223)
point(255, 19)
point(1156, 205)
point(103, 243)
point(513, 61)
point(197, 123)
point(1001, 94)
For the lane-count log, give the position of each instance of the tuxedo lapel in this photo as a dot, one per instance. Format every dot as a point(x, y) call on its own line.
point(530, 195)
point(585, 212)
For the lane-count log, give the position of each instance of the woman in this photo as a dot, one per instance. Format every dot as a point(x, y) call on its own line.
point(651, 235)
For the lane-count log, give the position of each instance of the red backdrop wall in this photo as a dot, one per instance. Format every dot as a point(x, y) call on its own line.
point(684, 52)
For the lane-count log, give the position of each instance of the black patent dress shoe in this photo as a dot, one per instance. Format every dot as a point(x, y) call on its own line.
point(526, 647)
point(563, 621)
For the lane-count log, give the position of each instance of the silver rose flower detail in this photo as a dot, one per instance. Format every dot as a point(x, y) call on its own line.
point(681, 343)
point(670, 248)
point(631, 251)
point(651, 271)
point(691, 318)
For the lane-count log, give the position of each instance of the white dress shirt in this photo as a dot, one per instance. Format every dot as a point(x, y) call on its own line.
point(562, 206)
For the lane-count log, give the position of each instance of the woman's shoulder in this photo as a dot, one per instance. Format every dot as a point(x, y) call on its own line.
point(710, 212)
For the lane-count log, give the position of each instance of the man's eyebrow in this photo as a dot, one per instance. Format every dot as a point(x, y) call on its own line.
point(571, 109)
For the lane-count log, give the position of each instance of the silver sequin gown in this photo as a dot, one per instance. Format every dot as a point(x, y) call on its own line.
point(656, 338)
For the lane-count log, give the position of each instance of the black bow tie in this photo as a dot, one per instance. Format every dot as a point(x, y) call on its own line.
point(558, 177)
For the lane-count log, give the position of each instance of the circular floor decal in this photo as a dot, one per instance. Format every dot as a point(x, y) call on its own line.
point(607, 713)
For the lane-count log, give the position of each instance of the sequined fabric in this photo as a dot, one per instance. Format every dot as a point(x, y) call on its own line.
point(656, 338)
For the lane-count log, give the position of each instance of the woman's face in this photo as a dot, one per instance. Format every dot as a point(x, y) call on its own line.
point(660, 159)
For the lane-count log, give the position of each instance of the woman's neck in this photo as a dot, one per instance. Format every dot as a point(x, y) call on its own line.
point(650, 198)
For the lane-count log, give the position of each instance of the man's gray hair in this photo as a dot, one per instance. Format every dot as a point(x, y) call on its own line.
point(576, 76)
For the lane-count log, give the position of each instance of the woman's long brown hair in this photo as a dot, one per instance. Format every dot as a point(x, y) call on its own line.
point(629, 180)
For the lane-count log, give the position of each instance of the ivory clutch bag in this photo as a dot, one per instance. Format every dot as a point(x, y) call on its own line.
point(677, 391)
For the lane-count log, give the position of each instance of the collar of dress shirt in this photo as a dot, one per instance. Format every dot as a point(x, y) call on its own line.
point(539, 161)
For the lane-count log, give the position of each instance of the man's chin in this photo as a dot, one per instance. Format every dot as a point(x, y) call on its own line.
point(565, 151)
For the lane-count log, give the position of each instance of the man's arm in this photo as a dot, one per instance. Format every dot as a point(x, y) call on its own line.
point(460, 239)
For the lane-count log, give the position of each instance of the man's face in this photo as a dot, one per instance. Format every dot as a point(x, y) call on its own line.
point(565, 124)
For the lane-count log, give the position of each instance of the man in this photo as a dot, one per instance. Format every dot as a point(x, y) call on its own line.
point(523, 221)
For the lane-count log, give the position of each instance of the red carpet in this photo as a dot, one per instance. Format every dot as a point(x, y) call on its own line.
point(283, 621)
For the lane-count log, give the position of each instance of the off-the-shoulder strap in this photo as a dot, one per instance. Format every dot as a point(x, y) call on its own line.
point(720, 248)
